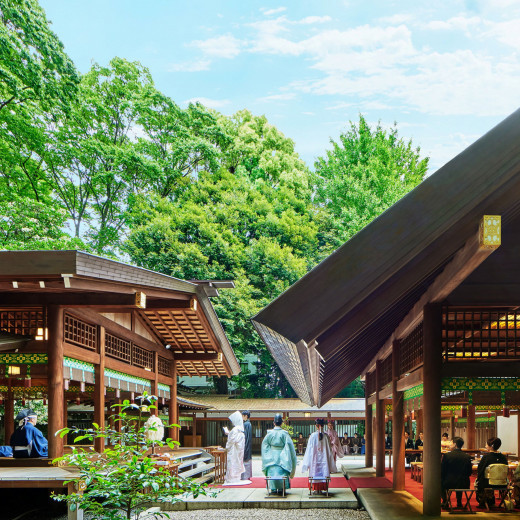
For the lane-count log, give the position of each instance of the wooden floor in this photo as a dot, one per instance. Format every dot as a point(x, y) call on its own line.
point(48, 477)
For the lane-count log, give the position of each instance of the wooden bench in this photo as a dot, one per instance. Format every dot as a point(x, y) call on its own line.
point(284, 480)
point(466, 506)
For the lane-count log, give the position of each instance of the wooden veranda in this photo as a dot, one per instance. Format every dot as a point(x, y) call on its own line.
point(75, 327)
point(424, 303)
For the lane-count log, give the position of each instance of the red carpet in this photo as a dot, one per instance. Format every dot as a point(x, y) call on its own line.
point(297, 482)
point(369, 482)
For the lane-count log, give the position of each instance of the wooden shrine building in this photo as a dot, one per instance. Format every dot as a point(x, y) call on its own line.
point(424, 302)
point(75, 327)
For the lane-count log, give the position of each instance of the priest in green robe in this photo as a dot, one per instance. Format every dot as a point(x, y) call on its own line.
point(278, 455)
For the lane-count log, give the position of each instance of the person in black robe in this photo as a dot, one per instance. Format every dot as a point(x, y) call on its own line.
point(492, 457)
point(456, 469)
point(248, 446)
point(408, 445)
point(28, 441)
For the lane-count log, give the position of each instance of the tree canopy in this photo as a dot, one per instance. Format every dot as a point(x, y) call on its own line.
point(105, 162)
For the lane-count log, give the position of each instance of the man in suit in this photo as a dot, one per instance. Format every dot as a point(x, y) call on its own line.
point(408, 445)
point(248, 446)
point(455, 471)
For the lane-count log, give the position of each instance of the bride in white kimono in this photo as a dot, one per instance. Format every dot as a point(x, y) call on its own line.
point(235, 452)
point(318, 458)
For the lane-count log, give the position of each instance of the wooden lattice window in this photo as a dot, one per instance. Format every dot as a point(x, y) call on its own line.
point(411, 350)
point(80, 333)
point(164, 366)
point(142, 358)
point(118, 348)
point(480, 334)
point(23, 322)
point(386, 371)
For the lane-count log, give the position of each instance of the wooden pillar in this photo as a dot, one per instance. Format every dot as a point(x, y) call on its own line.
point(9, 415)
point(65, 418)
point(452, 426)
point(397, 422)
point(118, 424)
point(420, 423)
point(55, 379)
point(471, 427)
point(155, 384)
point(380, 426)
point(99, 391)
point(518, 434)
point(369, 439)
point(194, 440)
point(432, 364)
point(173, 410)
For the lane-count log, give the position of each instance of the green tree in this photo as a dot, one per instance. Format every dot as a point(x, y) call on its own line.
point(363, 174)
point(224, 225)
point(93, 161)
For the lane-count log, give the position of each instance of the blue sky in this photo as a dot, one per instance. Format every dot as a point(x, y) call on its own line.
point(445, 71)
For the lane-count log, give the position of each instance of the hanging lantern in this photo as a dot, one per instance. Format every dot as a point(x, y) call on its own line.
point(505, 411)
point(163, 401)
point(27, 380)
point(413, 415)
point(78, 400)
point(66, 383)
point(118, 393)
point(82, 386)
point(463, 412)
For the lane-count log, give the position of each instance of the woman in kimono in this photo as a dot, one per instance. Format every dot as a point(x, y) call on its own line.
point(335, 443)
point(318, 458)
point(235, 452)
point(278, 456)
point(27, 441)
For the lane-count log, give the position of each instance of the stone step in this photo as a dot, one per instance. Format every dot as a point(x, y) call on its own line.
point(196, 471)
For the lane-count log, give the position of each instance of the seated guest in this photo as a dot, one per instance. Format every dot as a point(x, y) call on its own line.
point(420, 441)
point(446, 444)
point(408, 445)
point(456, 469)
point(301, 444)
point(345, 442)
point(492, 457)
point(6, 451)
point(388, 442)
point(27, 441)
point(356, 443)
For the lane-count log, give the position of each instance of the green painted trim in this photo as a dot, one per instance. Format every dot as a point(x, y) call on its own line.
point(79, 365)
point(162, 386)
point(112, 374)
point(20, 358)
point(414, 392)
point(480, 383)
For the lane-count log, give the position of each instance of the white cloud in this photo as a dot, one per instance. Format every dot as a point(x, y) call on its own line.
point(225, 46)
point(269, 12)
point(278, 97)
point(507, 33)
point(190, 66)
point(308, 20)
point(208, 102)
point(456, 23)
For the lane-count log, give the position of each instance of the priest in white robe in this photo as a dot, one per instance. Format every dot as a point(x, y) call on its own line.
point(235, 452)
point(318, 458)
point(335, 443)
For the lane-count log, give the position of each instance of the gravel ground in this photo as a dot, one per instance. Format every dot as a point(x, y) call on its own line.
point(271, 514)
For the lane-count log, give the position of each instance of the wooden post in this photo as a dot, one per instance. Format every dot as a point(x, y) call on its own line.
point(99, 391)
point(380, 426)
point(173, 410)
point(118, 424)
point(432, 364)
point(194, 431)
point(65, 418)
point(452, 426)
point(397, 422)
point(471, 427)
point(420, 423)
point(155, 383)
point(55, 379)
point(518, 434)
point(369, 439)
point(8, 415)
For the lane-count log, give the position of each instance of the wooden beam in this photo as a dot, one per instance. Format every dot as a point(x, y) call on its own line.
point(498, 368)
point(465, 261)
point(413, 379)
point(71, 299)
point(197, 356)
point(167, 305)
point(173, 411)
point(398, 447)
